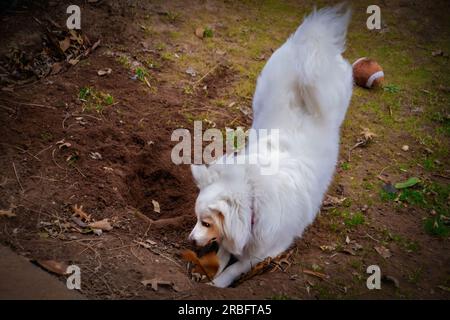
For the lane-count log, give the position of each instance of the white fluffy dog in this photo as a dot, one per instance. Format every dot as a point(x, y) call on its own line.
point(304, 91)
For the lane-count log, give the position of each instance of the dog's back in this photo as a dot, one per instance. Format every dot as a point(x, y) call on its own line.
point(304, 91)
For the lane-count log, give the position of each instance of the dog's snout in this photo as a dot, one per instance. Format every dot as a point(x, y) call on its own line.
point(191, 239)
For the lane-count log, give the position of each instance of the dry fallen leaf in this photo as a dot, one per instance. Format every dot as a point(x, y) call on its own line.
point(78, 212)
point(383, 251)
point(102, 225)
point(328, 248)
point(53, 266)
point(315, 273)
point(331, 202)
point(73, 61)
point(7, 213)
point(156, 206)
point(64, 44)
point(367, 134)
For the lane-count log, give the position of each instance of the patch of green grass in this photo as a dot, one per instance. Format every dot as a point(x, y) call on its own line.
point(94, 100)
point(208, 33)
point(405, 243)
point(412, 196)
point(436, 226)
point(354, 219)
point(172, 16)
point(124, 61)
point(429, 164)
point(387, 196)
point(356, 264)
point(141, 73)
point(167, 56)
point(368, 186)
point(345, 166)
point(152, 64)
point(391, 88)
point(431, 196)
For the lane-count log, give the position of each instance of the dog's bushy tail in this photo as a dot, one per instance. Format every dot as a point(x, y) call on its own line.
point(323, 78)
point(319, 39)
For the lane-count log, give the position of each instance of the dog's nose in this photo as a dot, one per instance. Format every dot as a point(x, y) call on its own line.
point(192, 240)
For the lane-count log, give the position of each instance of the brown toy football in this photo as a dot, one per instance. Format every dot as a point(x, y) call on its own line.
point(367, 73)
point(207, 264)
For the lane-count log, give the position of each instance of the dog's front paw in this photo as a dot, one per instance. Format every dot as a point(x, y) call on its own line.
point(221, 281)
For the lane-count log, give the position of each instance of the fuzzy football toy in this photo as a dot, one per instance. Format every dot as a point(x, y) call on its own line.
point(367, 73)
point(207, 264)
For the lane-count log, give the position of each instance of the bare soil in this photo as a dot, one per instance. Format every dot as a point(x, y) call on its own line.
point(133, 138)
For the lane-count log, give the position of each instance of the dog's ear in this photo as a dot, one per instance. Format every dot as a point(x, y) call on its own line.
point(200, 174)
point(237, 224)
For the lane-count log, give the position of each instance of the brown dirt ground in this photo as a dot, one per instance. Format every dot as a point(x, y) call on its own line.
point(133, 137)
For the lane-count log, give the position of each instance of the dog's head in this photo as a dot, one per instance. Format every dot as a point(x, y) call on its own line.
point(223, 207)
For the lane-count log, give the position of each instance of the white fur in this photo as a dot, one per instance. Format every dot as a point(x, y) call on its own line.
point(304, 91)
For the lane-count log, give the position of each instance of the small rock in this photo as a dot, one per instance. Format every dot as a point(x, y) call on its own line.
point(104, 72)
point(405, 148)
point(191, 71)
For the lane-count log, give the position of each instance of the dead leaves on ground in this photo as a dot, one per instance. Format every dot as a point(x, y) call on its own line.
point(280, 262)
point(365, 137)
point(83, 220)
point(331, 202)
point(60, 48)
point(383, 251)
point(78, 212)
point(53, 266)
point(9, 212)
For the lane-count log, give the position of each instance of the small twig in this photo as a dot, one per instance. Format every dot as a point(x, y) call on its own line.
point(45, 149)
point(17, 177)
point(147, 83)
point(206, 74)
point(27, 152)
point(79, 171)
point(368, 235)
point(64, 120)
point(360, 143)
point(135, 255)
point(31, 104)
point(440, 176)
point(54, 161)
